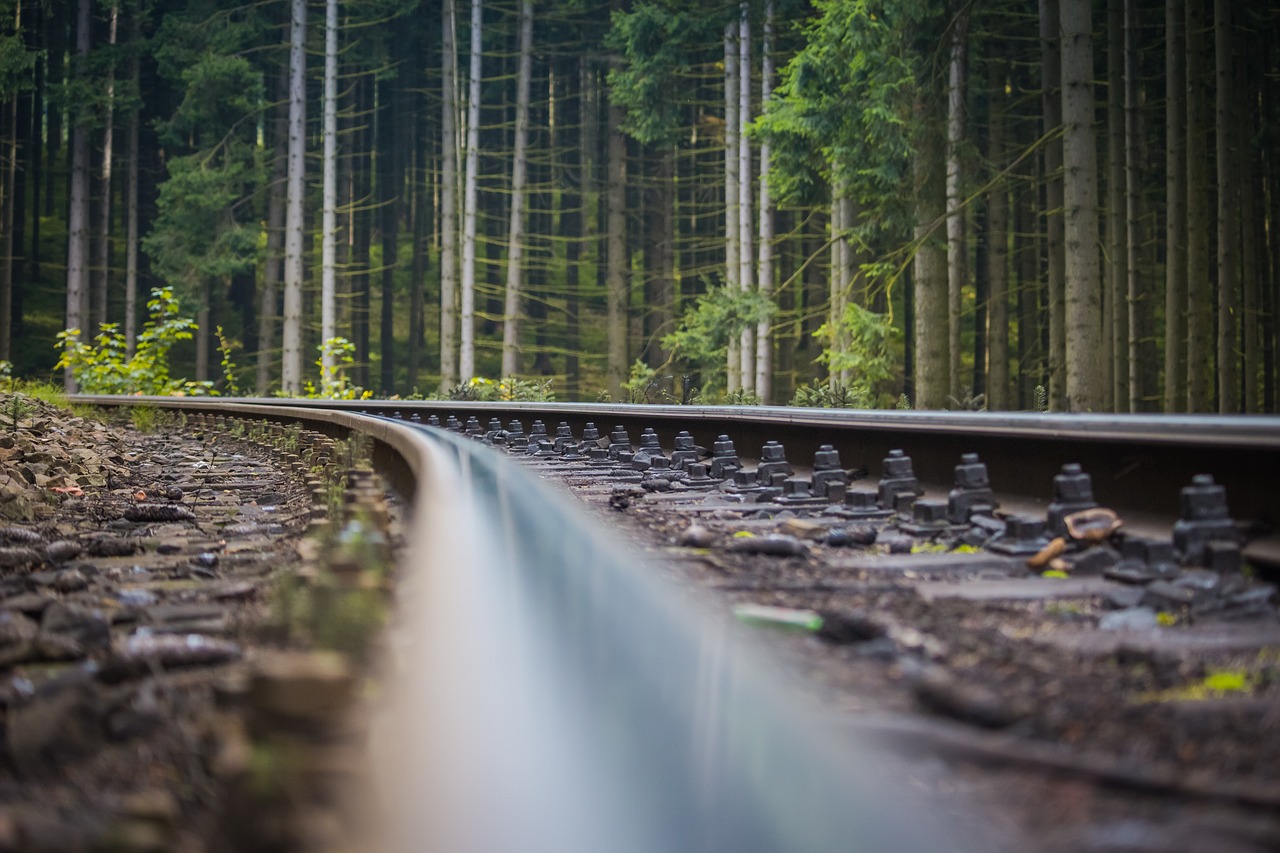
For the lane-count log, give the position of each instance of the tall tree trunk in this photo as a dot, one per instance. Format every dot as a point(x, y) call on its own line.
point(291, 327)
point(841, 278)
point(573, 183)
point(746, 250)
point(1140, 345)
point(732, 196)
point(8, 192)
point(1251, 230)
point(957, 246)
point(1116, 322)
point(997, 388)
point(78, 212)
point(390, 192)
point(362, 229)
point(36, 33)
point(448, 199)
point(329, 191)
point(519, 178)
point(1228, 211)
point(1086, 377)
point(132, 234)
point(1027, 263)
point(929, 273)
point(1051, 99)
point(273, 263)
point(1175, 279)
point(202, 330)
point(764, 329)
point(1199, 288)
point(618, 263)
point(467, 354)
point(55, 28)
point(102, 261)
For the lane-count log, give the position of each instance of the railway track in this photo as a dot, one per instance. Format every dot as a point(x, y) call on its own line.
point(1130, 696)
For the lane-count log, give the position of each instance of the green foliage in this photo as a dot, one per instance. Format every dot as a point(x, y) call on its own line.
point(702, 337)
point(144, 418)
point(869, 358)
point(823, 395)
point(106, 368)
point(228, 366)
point(1040, 403)
point(504, 390)
point(334, 384)
point(743, 397)
point(206, 227)
point(657, 42)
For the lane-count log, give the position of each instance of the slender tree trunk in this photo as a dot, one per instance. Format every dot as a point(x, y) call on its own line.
point(1139, 344)
point(291, 329)
point(467, 354)
point(1027, 262)
point(78, 212)
point(1051, 98)
point(8, 192)
point(519, 178)
point(132, 235)
point(618, 262)
point(841, 280)
point(746, 248)
point(1228, 211)
point(37, 33)
point(732, 197)
point(329, 224)
point(957, 246)
point(448, 199)
point(1086, 378)
point(1251, 230)
point(573, 180)
point(929, 273)
point(390, 174)
point(55, 45)
point(268, 313)
point(997, 388)
point(102, 260)
point(764, 329)
point(1199, 287)
point(1175, 283)
point(1116, 329)
point(202, 330)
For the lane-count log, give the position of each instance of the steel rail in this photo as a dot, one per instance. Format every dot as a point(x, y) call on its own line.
point(1139, 463)
point(550, 691)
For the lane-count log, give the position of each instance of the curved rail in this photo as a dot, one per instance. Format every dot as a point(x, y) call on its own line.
point(1139, 463)
point(552, 692)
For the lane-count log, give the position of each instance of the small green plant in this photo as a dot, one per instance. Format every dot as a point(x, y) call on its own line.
point(904, 403)
point(743, 397)
point(337, 355)
point(228, 366)
point(17, 408)
point(105, 367)
point(6, 376)
point(1040, 401)
point(824, 395)
point(510, 389)
point(144, 418)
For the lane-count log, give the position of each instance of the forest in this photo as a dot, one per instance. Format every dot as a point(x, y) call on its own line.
point(1065, 205)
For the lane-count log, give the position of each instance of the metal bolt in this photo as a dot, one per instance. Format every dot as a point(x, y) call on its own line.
point(1072, 493)
point(972, 492)
point(897, 478)
point(724, 459)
